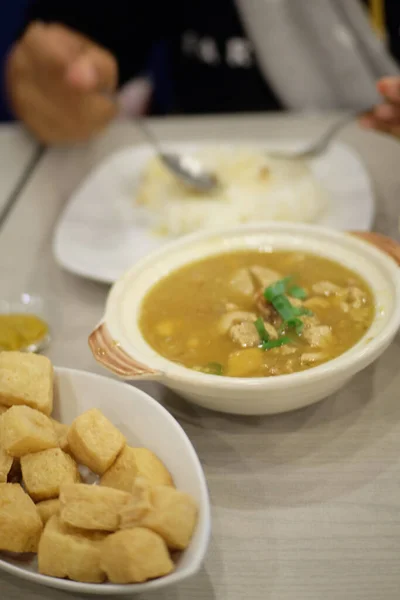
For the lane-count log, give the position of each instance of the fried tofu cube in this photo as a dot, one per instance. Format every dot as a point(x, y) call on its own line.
point(45, 472)
point(26, 379)
point(67, 552)
point(139, 505)
point(134, 556)
point(62, 434)
point(122, 472)
point(6, 462)
point(63, 443)
point(94, 441)
point(20, 524)
point(24, 430)
point(172, 514)
point(61, 429)
point(47, 509)
point(91, 506)
point(151, 467)
point(3, 409)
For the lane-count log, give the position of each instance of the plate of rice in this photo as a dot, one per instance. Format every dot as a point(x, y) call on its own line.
point(130, 204)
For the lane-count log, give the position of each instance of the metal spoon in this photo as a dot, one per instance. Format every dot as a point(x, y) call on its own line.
point(321, 144)
point(186, 168)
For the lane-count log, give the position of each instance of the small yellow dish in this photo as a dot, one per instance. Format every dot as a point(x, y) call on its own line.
point(21, 331)
point(22, 326)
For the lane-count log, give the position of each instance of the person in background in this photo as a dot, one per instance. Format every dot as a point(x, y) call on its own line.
point(12, 16)
point(226, 56)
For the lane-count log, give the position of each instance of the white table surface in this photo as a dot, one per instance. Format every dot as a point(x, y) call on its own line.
point(306, 506)
point(16, 150)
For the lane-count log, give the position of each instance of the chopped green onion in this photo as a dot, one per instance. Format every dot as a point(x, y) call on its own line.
point(283, 307)
point(275, 343)
point(297, 292)
point(296, 324)
point(262, 332)
point(275, 294)
point(212, 368)
point(276, 289)
point(266, 342)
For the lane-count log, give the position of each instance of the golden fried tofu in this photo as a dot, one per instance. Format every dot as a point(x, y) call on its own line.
point(61, 429)
point(150, 466)
point(24, 430)
point(134, 556)
point(62, 435)
point(92, 506)
point(122, 472)
point(94, 441)
point(68, 552)
point(3, 409)
point(26, 379)
point(132, 463)
point(48, 508)
point(172, 514)
point(6, 462)
point(45, 472)
point(138, 506)
point(20, 524)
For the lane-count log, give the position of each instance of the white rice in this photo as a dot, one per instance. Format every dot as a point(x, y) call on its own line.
point(255, 187)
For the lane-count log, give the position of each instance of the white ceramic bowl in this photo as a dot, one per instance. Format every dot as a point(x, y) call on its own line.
point(146, 423)
point(118, 344)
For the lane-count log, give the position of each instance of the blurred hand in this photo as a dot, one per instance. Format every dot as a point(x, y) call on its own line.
point(386, 116)
point(55, 77)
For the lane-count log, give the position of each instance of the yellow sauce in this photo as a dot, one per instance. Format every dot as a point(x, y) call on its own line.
point(18, 331)
point(186, 318)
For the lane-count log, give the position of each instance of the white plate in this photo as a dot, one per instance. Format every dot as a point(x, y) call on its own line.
point(145, 423)
point(101, 234)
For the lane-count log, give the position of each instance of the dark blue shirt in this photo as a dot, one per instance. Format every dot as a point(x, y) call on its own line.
point(12, 18)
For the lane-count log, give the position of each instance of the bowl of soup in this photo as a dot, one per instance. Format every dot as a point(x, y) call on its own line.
point(258, 319)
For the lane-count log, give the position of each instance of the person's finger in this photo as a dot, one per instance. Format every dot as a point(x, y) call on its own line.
point(367, 120)
point(18, 63)
point(43, 121)
point(96, 111)
point(393, 130)
point(83, 113)
point(53, 125)
point(94, 69)
point(82, 74)
point(51, 46)
point(87, 66)
point(371, 122)
point(388, 113)
point(389, 87)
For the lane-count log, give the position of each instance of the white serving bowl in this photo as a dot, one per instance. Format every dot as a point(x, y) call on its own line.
point(117, 343)
point(145, 423)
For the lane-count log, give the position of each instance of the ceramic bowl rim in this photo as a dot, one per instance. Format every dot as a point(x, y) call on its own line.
point(349, 361)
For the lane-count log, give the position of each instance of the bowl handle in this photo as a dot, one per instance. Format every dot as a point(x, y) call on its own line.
point(384, 243)
point(110, 355)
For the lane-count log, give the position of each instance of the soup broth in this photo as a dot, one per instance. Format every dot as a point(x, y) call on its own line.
point(257, 314)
